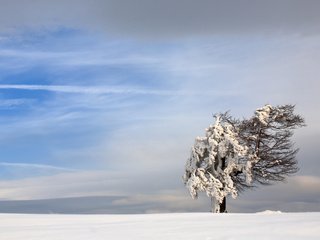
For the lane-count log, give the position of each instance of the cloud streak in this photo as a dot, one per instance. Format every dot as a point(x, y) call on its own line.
point(144, 196)
point(96, 90)
point(11, 103)
point(89, 89)
point(35, 166)
point(79, 58)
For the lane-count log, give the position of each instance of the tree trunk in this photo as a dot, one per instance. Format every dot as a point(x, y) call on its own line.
point(223, 206)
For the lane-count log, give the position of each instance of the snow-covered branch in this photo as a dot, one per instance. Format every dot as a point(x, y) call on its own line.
point(235, 155)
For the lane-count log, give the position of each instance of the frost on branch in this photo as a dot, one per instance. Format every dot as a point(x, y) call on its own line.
point(214, 159)
point(262, 114)
point(235, 154)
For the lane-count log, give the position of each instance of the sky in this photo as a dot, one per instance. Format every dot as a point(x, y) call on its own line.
point(100, 101)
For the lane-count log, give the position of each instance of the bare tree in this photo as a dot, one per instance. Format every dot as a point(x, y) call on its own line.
point(239, 154)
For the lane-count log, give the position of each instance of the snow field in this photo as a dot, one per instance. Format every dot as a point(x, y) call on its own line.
point(195, 226)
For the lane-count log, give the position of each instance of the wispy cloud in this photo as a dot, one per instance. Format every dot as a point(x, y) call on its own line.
point(90, 89)
point(10, 103)
point(35, 166)
point(80, 58)
point(158, 195)
point(108, 90)
point(10, 171)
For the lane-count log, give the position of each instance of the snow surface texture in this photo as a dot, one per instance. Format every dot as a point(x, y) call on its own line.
point(195, 226)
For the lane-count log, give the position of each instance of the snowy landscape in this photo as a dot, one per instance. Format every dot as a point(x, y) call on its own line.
point(159, 120)
point(185, 226)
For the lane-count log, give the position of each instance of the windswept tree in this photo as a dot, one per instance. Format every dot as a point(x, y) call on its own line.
point(239, 154)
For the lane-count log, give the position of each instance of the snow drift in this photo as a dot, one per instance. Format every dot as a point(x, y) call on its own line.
point(184, 226)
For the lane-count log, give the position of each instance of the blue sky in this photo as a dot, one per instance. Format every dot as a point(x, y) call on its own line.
point(90, 107)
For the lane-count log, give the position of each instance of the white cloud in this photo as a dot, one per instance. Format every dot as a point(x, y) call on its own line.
point(61, 185)
point(107, 90)
point(35, 166)
point(92, 57)
point(299, 193)
point(11, 103)
point(146, 193)
point(84, 183)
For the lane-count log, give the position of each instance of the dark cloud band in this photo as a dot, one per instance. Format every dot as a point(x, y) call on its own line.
point(180, 18)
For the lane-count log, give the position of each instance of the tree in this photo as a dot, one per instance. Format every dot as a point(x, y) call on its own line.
point(239, 154)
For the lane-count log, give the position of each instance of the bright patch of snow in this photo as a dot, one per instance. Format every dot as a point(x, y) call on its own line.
point(193, 226)
point(269, 212)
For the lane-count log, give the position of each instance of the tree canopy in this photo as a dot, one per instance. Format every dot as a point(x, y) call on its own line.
point(239, 154)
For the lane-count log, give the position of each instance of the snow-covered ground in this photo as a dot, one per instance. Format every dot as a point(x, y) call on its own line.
point(195, 226)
